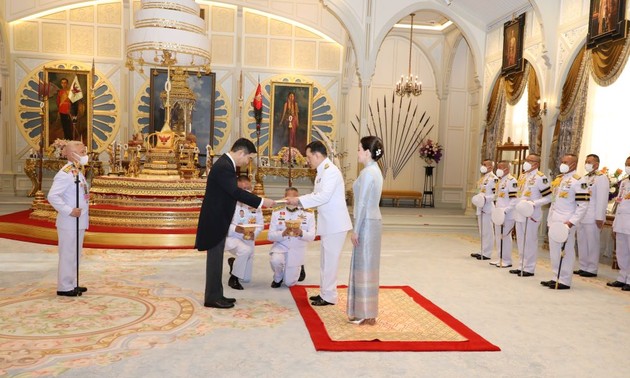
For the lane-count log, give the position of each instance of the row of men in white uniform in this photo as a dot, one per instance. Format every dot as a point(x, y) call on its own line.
point(578, 206)
point(288, 251)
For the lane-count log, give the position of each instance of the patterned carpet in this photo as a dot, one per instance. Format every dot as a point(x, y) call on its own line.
point(123, 313)
point(406, 322)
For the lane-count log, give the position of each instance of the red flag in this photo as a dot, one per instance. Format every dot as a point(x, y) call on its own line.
point(257, 103)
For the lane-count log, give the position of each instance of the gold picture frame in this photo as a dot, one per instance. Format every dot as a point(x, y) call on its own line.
point(283, 107)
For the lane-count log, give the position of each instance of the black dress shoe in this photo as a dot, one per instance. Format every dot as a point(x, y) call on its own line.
point(587, 274)
point(315, 297)
point(515, 271)
point(475, 255)
point(81, 289)
point(626, 287)
point(526, 274)
point(275, 284)
point(483, 258)
point(229, 300)
point(302, 274)
point(234, 284)
point(578, 271)
point(69, 293)
point(219, 303)
point(548, 283)
point(321, 302)
point(615, 284)
point(231, 263)
point(560, 287)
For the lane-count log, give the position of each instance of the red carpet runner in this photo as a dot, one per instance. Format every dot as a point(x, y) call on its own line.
point(407, 321)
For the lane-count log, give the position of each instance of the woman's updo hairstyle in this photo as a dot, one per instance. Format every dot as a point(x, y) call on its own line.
point(375, 145)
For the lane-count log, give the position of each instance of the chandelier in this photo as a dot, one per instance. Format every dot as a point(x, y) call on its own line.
point(410, 85)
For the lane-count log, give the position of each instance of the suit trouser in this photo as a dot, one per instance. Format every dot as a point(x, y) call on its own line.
point(555, 249)
point(244, 260)
point(288, 274)
point(623, 257)
point(214, 273)
point(588, 236)
point(331, 245)
point(67, 269)
point(486, 231)
point(527, 245)
point(508, 226)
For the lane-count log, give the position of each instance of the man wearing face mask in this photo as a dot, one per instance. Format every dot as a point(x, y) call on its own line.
point(589, 229)
point(289, 248)
point(240, 241)
point(486, 186)
point(570, 202)
point(533, 186)
point(63, 197)
point(506, 200)
point(621, 228)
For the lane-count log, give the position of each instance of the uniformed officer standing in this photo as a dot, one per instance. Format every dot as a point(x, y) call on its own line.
point(569, 205)
point(533, 186)
point(590, 228)
point(63, 197)
point(333, 219)
point(486, 186)
point(621, 228)
point(289, 248)
point(506, 199)
point(240, 240)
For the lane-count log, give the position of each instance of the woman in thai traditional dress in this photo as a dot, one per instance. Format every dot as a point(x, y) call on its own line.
point(366, 237)
point(290, 117)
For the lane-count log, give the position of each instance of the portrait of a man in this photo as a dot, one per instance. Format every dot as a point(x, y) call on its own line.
point(513, 45)
point(290, 115)
point(606, 21)
point(67, 105)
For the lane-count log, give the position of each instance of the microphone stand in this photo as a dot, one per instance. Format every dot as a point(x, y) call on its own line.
point(76, 182)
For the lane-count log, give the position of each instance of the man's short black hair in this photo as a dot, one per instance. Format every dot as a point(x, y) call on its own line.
point(317, 146)
point(245, 145)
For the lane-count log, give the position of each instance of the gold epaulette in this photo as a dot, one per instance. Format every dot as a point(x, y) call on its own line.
point(539, 173)
point(560, 176)
point(576, 176)
point(67, 168)
point(598, 173)
point(310, 210)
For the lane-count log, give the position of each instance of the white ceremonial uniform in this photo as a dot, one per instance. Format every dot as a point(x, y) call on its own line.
point(621, 226)
point(506, 199)
point(570, 200)
point(288, 252)
point(63, 197)
point(533, 186)
point(333, 223)
point(235, 243)
point(588, 234)
point(487, 185)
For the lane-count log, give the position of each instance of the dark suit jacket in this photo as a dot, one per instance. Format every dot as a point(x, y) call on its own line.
point(219, 204)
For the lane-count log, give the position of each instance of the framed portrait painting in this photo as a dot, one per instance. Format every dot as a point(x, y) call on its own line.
point(606, 21)
point(202, 119)
point(513, 36)
point(68, 99)
point(290, 118)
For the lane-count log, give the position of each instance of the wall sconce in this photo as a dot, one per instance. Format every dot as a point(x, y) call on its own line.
point(543, 107)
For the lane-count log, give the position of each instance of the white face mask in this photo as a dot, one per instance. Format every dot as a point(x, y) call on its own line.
point(628, 169)
point(564, 168)
point(83, 160)
point(588, 167)
point(500, 172)
point(483, 169)
point(527, 166)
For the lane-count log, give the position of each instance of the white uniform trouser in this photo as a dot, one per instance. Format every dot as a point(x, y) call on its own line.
point(506, 257)
point(331, 245)
point(67, 270)
point(588, 246)
point(288, 274)
point(527, 245)
point(244, 253)
point(486, 231)
point(555, 249)
point(623, 257)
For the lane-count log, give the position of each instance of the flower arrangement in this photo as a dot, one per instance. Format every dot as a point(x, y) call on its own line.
point(295, 157)
point(55, 150)
point(431, 151)
point(614, 182)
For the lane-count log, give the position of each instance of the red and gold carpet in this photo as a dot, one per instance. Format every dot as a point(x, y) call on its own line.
point(407, 321)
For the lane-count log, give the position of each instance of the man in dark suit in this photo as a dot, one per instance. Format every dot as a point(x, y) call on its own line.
point(217, 209)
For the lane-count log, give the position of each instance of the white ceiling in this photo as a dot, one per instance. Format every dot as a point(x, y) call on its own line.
point(484, 12)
